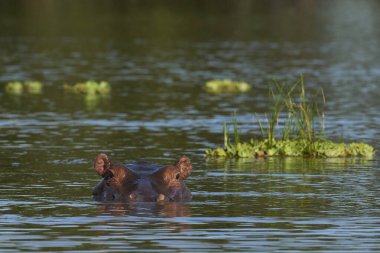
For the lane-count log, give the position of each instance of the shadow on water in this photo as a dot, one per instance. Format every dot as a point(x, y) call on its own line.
point(163, 210)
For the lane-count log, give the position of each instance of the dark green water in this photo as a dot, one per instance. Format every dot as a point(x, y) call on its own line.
point(157, 55)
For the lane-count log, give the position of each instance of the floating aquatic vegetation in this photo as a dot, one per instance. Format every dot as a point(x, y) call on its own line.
point(33, 87)
point(92, 92)
point(14, 88)
point(18, 88)
point(226, 86)
point(360, 149)
point(302, 134)
point(89, 88)
point(293, 148)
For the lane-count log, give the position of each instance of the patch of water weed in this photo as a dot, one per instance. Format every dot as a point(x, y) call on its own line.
point(226, 86)
point(302, 133)
point(18, 88)
point(89, 87)
point(92, 91)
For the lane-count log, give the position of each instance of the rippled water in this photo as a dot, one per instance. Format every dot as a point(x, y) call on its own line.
point(157, 57)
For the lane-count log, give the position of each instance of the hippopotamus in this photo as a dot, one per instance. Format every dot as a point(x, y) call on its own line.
point(142, 181)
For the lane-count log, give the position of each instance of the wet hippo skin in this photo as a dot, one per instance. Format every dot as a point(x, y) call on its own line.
point(142, 181)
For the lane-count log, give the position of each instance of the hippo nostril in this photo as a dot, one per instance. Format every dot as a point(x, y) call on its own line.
point(132, 196)
point(161, 197)
point(177, 176)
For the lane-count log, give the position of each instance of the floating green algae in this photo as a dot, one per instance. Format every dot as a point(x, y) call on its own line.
point(33, 87)
point(92, 92)
point(18, 88)
point(14, 88)
point(301, 135)
point(89, 88)
point(226, 86)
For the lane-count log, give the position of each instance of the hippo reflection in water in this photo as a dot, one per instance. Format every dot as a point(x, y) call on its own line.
point(142, 181)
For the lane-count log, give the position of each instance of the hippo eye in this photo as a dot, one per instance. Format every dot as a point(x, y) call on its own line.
point(177, 176)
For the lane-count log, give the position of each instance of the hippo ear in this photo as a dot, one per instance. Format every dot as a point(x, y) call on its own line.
point(102, 164)
point(184, 166)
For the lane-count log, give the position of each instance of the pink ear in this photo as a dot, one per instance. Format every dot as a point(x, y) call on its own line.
point(184, 166)
point(102, 164)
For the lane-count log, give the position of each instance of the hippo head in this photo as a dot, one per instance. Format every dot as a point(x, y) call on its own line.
point(142, 181)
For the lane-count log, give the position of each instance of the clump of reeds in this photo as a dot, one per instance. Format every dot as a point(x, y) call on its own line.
point(302, 133)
